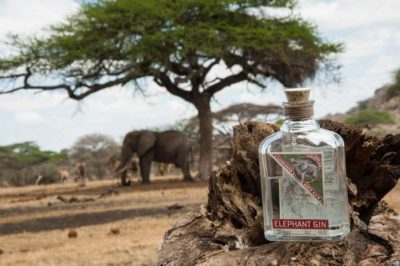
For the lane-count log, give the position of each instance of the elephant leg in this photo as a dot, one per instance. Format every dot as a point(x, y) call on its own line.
point(145, 166)
point(124, 180)
point(186, 172)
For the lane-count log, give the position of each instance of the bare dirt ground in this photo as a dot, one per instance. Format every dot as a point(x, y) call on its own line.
point(114, 225)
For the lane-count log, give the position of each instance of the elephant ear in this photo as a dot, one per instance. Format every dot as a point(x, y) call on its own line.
point(146, 141)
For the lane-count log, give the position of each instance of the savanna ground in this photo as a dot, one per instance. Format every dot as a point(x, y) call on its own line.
point(114, 225)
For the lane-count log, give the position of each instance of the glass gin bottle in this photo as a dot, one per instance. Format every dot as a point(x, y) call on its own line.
point(303, 177)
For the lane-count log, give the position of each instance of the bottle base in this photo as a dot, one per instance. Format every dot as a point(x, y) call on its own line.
point(307, 236)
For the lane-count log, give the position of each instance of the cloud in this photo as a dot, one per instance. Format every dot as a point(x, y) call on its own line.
point(27, 101)
point(29, 118)
point(333, 15)
point(27, 17)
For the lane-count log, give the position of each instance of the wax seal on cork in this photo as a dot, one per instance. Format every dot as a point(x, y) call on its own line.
point(299, 106)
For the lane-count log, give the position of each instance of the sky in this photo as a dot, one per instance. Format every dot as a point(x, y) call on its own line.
point(368, 29)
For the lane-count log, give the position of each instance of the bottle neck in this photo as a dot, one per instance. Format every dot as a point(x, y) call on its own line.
point(298, 111)
point(295, 126)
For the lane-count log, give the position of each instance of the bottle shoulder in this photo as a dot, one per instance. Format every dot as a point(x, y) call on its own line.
point(273, 138)
point(314, 138)
point(334, 135)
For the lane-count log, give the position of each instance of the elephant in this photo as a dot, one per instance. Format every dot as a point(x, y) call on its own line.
point(164, 147)
point(306, 170)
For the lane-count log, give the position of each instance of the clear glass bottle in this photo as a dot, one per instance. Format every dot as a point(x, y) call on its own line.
point(303, 177)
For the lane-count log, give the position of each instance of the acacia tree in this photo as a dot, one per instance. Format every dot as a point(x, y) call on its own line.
point(176, 43)
point(96, 150)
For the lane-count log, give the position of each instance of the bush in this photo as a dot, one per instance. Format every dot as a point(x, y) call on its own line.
point(394, 88)
point(370, 117)
point(29, 175)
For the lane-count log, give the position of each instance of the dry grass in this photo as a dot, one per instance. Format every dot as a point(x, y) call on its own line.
point(34, 224)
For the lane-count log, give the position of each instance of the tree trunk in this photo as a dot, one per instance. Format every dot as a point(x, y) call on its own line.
point(206, 137)
point(228, 229)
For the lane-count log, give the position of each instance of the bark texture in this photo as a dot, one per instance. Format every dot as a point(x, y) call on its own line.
point(206, 140)
point(228, 230)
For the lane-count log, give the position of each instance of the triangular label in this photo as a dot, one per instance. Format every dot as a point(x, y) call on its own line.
point(305, 168)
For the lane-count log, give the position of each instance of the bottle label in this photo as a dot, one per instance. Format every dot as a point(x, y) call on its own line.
point(303, 168)
point(318, 224)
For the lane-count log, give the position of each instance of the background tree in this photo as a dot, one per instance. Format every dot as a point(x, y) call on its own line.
point(176, 43)
point(22, 163)
point(96, 150)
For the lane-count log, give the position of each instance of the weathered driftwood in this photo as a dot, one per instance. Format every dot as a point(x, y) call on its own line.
point(228, 230)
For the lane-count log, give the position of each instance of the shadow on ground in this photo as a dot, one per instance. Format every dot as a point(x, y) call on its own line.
point(85, 219)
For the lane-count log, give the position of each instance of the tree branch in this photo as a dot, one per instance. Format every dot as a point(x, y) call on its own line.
point(72, 90)
point(241, 76)
point(180, 70)
point(100, 86)
point(256, 82)
point(164, 81)
point(13, 76)
point(211, 65)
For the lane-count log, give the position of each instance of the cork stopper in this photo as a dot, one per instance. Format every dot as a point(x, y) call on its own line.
point(299, 106)
point(297, 95)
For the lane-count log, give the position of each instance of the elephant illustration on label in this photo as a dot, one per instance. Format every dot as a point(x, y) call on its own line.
point(305, 169)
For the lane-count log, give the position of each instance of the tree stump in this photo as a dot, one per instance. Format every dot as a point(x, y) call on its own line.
point(228, 229)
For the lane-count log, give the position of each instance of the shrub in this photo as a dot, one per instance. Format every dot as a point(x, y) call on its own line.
point(394, 88)
point(370, 117)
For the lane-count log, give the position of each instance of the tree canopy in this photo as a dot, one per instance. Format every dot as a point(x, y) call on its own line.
point(22, 163)
point(29, 153)
point(96, 150)
point(116, 42)
point(192, 48)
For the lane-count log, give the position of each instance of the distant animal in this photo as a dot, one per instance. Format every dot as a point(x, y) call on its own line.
point(81, 172)
point(164, 168)
point(63, 176)
point(164, 147)
point(115, 164)
point(305, 169)
point(39, 179)
point(42, 179)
